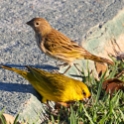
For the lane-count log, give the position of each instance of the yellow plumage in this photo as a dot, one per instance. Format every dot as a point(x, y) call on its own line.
point(53, 86)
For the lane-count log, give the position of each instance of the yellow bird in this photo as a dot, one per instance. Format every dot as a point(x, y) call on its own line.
point(54, 86)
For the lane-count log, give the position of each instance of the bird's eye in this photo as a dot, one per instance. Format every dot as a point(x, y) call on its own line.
point(84, 93)
point(37, 23)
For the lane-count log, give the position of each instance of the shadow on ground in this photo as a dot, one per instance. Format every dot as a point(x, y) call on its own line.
point(48, 67)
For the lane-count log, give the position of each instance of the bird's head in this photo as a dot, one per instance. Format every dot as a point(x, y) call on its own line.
point(40, 26)
point(84, 91)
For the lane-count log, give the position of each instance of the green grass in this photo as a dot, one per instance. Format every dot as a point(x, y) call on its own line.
point(2, 119)
point(100, 109)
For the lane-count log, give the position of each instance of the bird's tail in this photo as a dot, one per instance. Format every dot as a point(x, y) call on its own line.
point(18, 71)
point(99, 59)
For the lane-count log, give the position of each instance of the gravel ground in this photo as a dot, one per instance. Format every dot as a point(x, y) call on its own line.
point(17, 43)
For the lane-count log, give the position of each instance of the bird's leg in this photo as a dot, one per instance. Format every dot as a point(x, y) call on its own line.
point(67, 69)
point(75, 65)
point(63, 64)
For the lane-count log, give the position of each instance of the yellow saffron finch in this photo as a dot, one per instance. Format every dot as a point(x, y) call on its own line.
point(53, 86)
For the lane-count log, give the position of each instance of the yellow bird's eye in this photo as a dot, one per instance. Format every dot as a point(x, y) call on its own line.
point(84, 93)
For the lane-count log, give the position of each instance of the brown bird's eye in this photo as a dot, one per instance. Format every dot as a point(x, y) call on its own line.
point(37, 23)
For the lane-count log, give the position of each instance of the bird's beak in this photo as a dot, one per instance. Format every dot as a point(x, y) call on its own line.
point(85, 99)
point(29, 23)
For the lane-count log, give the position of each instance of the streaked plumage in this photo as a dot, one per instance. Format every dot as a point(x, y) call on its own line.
point(59, 46)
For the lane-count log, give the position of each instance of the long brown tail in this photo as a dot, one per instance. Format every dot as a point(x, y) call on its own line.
point(99, 59)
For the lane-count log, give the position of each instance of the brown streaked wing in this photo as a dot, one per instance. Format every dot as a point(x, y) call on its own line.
point(59, 45)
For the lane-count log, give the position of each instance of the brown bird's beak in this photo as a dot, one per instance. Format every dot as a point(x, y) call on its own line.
point(29, 23)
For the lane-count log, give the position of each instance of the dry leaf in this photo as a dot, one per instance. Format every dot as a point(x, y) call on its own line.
point(9, 119)
point(112, 85)
point(100, 68)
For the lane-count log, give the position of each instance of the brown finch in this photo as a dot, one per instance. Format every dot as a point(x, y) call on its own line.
point(59, 46)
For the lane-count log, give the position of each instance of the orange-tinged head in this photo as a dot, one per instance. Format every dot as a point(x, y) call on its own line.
point(40, 26)
point(84, 91)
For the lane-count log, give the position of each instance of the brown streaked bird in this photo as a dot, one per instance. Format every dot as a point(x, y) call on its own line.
point(59, 46)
